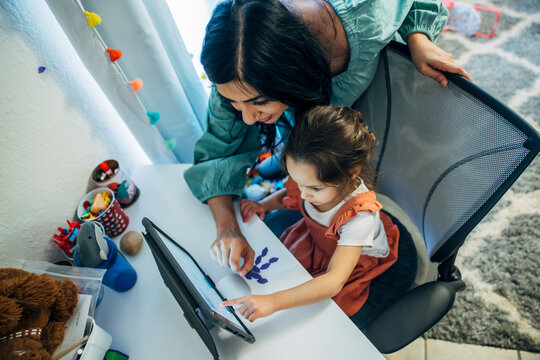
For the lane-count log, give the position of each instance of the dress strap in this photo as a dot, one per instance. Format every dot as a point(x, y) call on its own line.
point(365, 201)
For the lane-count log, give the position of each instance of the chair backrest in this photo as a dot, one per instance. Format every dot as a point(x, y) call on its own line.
point(445, 155)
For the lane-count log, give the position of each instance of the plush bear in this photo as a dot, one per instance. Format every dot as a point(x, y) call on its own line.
point(33, 312)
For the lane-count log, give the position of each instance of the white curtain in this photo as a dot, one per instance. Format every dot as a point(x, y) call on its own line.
point(153, 51)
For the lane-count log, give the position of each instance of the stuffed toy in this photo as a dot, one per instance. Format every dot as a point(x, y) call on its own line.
point(33, 312)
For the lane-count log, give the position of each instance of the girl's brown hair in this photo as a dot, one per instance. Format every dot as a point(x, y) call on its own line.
point(335, 140)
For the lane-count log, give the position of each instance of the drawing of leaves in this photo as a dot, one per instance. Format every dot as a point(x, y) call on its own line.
point(256, 276)
point(254, 273)
point(267, 265)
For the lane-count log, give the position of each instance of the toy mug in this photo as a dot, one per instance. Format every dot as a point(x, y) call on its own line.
point(114, 220)
point(108, 173)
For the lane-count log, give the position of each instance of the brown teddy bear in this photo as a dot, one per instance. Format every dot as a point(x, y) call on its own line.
point(33, 312)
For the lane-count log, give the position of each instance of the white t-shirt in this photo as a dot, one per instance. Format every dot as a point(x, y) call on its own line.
point(366, 229)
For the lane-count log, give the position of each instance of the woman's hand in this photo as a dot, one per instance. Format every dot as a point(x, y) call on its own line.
point(248, 208)
point(253, 307)
point(229, 248)
point(429, 59)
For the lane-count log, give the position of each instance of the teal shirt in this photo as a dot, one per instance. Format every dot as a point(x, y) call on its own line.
point(228, 147)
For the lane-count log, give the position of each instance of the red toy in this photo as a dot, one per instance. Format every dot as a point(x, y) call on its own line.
point(264, 156)
point(67, 238)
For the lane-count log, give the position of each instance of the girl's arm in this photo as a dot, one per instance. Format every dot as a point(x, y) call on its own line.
point(320, 288)
point(274, 201)
point(248, 208)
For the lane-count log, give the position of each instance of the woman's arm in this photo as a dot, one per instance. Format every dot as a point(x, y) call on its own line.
point(222, 154)
point(422, 25)
point(320, 288)
point(430, 59)
point(230, 246)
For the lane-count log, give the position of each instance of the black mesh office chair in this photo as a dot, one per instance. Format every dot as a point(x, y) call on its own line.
point(446, 156)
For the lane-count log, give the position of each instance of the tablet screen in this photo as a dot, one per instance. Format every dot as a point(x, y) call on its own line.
point(198, 279)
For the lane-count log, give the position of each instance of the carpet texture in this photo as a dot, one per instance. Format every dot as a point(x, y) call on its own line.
point(500, 259)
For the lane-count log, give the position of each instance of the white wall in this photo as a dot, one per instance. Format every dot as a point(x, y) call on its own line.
point(55, 127)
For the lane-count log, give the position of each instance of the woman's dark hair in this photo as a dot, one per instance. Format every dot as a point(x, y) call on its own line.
point(263, 44)
point(334, 140)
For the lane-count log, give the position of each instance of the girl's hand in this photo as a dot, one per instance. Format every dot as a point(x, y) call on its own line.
point(248, 208)
point(253, 307)
point(429, 59)
point(229, 248)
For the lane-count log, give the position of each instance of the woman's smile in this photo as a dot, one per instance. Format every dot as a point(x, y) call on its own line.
point(253, 106)
point(266, 119)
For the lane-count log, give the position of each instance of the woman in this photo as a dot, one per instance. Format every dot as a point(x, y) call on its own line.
point(270, 59)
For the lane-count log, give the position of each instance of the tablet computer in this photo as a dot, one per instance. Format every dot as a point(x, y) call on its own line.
point(194, 291)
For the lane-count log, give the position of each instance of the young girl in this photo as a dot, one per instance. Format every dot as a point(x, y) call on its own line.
point(343, 239)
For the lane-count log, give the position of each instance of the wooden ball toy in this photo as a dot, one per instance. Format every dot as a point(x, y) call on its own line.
point(131, 242)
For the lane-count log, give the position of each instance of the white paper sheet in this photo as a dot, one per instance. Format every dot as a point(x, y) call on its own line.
point(75, 326)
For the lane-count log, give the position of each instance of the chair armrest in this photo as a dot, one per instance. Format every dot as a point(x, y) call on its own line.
point(412, 315)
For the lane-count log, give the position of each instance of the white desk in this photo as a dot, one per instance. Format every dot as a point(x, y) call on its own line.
point(146, 322)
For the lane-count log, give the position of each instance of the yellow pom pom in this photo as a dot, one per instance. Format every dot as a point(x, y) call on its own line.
point(93, 19)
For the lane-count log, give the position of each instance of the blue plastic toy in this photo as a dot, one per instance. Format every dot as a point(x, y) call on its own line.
point(96, 250)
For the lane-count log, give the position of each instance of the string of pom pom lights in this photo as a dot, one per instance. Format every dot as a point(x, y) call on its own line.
point(114, 55)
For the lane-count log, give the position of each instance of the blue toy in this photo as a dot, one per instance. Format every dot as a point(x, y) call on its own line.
point(96, 250)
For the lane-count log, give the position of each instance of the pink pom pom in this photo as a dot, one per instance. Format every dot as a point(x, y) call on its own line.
point(137, 84)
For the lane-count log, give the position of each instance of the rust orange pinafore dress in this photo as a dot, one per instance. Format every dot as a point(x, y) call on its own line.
point(313, 245)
